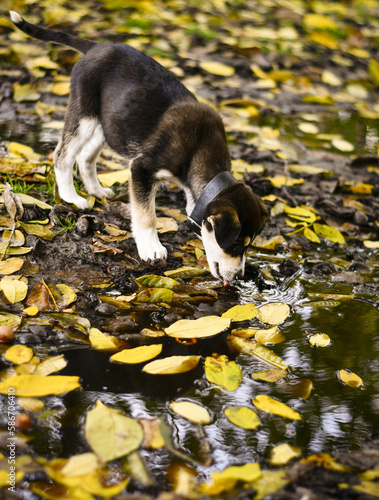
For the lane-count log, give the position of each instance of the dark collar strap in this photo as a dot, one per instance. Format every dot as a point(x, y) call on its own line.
point(211, 190)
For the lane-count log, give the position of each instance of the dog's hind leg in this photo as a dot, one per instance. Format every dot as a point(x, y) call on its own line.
point(142, 191)
point(87, 160)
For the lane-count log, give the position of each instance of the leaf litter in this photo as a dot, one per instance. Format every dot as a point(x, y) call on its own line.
point(101, 296)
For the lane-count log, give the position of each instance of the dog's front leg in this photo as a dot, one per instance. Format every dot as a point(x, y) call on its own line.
point(142, 207)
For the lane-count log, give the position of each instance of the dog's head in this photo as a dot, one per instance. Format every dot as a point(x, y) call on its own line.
point(230, 223)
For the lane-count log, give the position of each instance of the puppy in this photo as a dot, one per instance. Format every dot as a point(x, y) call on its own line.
point(122, 97)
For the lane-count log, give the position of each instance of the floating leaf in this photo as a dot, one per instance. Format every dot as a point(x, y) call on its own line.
point(191, 411)
point(51, 364)
point(207, 326)
point(18, 354)
point(350, 378)
point(38, 386)
point(270, 336)
point(217, 68)
point(253, 348)
point(110, 434)
point(283, 453)
point(271, 405)
point(319, 340)
point(228, 478)
point(242, 416)
point(13, 290)
point(155, 281)
point(138, 354)
point(343, 145)
point(269, 375)
point(11, 265)
point(221, 371)
point(241, 312)
point(273, 313)
point(172, 365)
point(103, 341)
point(329, 233)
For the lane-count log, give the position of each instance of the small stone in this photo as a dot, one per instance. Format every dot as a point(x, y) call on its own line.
point(105, 309)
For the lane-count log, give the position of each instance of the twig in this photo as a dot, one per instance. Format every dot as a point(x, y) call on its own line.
point(9, 241)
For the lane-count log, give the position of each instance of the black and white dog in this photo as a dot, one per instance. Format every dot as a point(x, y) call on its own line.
point(124, 98)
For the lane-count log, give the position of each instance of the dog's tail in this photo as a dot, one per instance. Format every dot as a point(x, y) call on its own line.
point(75, 42)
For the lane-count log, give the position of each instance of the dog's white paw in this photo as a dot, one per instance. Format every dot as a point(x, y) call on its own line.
point(148, 245)
point(77, 201)
point(101, 192)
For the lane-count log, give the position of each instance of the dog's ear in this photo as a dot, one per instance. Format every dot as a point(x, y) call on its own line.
point(226, 226)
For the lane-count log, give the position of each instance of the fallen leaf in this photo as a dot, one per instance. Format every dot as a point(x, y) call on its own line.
point(217, 68)
point(328, 232)
point(18, 354)
point(269, 375)
point(103, 341)
point(51, 364)
point(242, 416)
point(342, 145)
point(273, 313)
point(110, 434)
point(11, 265)
point(221, 371)
point(38, 386)
point(271, 405)
point(319, 340)
point(193, 412)
point(172, 365)
point(13, 290)
point(207, 326)
point(228, 478)
point(155, 281)
point(137, 354)
point(350, 378)
point(241, 312)
point(283, 453)
point(246, 346)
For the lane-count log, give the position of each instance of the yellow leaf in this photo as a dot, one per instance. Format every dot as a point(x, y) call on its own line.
point(251, 347)
point(103, 341)
point(320, 340)
point(111, 178)
point(110, 434)
point(186, 272)
point(269, 336)
point(329, 233)
point(191, 411)
point(371, 244)
point(9, 319)
point(271, 405)
point(38, 386)
point(10, 266)
point(342, 145)
point(373, 69)
point(207, 326)
point(23, 151)
point(273, 313)
point(330, 78)
point(228, 478)
point(171, 365)
point(319, 99)
point(31, 404)
point(79, 465)
point(279, 181)
point(270, 482)
point(241, 312)
point(68, 296)
point(26, 199)
point(269, 375)
point(18, 354)
point(300, 213)
point(350, 378)
point(369, 488)
point(155, 281)
point(13, 290)
point(319, 21)
point(311, 235)
point(51, 364)
point(137, 354)
point(166, 224)
point(308, 128)
point(221, 371)
point(27, 92)
point(61, 88)
point(217, 68)
point(18, 239)
point(242, 416)
point(283, 453)
point(269, 244)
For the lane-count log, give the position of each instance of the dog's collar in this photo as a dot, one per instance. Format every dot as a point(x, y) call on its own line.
point(211, 190)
